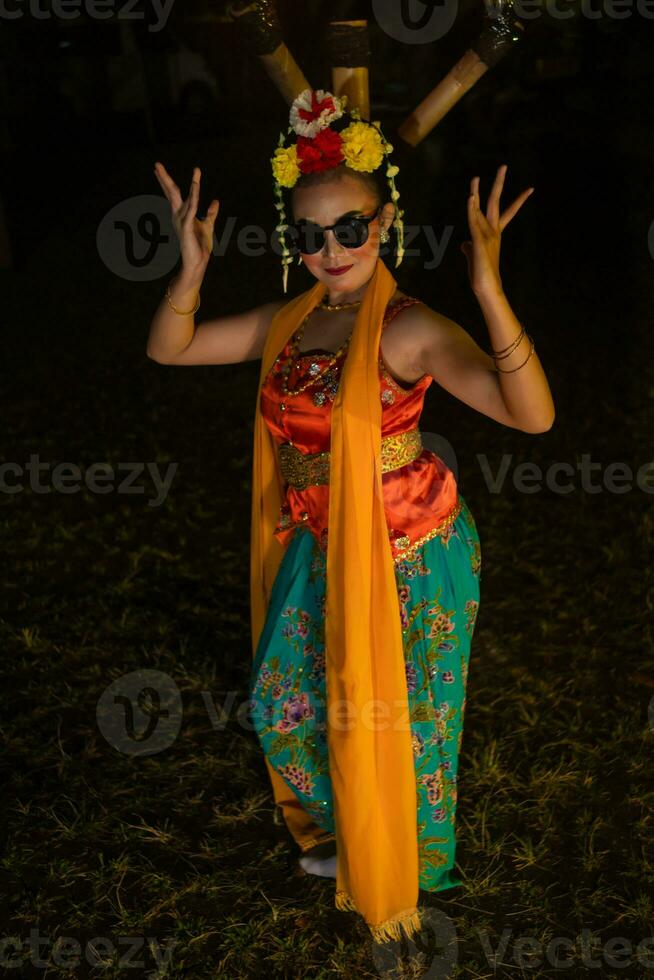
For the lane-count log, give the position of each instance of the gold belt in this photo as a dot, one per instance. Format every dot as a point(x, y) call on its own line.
point(301, 470)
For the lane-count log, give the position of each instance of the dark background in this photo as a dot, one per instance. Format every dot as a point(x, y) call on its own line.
point(556, 791)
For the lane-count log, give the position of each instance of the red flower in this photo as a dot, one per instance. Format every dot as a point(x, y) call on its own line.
point(316, 107)
point(322, 152)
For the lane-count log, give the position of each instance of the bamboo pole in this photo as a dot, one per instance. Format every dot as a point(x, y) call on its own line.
point(500, 33)
point(262, 35)
point(349, 55)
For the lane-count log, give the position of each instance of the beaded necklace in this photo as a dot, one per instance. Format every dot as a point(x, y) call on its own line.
point(290, 360)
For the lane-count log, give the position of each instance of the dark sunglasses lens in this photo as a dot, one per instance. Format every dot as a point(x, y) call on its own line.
point(311, 238)
point(351, 233)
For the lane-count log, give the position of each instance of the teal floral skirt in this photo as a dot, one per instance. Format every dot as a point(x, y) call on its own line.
point(438, 590)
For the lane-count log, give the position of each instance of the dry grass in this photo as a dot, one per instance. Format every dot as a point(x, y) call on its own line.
point(556, 793)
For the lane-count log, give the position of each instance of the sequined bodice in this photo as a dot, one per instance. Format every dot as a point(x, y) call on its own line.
point(414, 495)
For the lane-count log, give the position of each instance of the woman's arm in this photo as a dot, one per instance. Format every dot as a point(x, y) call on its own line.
point(174, 337)
point(520, 399)
point(171, 332)
point(177, 339)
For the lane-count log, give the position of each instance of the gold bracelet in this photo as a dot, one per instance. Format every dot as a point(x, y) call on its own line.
point(509, 370)
point(181, 312)
point(499, 354)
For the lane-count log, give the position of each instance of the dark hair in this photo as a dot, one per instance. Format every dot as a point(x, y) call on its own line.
point(373, 181)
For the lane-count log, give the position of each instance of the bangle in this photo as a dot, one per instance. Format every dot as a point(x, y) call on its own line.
point(509, 370)
point(511, 347)
point(182, 312)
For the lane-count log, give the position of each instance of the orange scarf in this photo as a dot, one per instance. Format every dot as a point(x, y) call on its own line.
point(368, 729)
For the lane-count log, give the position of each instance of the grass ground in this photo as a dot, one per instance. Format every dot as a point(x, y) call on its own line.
point(179, 849)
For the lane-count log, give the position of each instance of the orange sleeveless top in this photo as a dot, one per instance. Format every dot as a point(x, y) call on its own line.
point(420, 498)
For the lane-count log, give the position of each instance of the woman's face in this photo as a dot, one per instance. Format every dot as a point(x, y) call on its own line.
point(325, 204)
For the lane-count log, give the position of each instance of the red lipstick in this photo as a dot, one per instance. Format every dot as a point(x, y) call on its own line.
point(338, 270)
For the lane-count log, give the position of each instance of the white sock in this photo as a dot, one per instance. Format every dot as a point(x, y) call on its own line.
point(325, 867)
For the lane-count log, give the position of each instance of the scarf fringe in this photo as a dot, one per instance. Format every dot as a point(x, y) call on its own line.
point(407, 922)
point(311, 842)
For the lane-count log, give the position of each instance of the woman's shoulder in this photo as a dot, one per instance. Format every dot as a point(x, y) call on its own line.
point(401, 304)
point(408, 321)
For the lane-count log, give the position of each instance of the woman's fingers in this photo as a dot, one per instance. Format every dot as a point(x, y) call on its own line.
point(194, 193)
point(168, 185)
point(162, 183)
point(471, 198)
point(475, 203)
point(493, 212)
point(493, 221)
point(207, 223)
point(513, 208)
point(474, 192)
point(212, 211)
point(185, 211)
point(474, 213)
point(193, 199)
point(186, 208)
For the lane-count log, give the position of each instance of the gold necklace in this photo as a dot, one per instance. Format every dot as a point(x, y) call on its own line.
point(290, 360)
point(338, 306)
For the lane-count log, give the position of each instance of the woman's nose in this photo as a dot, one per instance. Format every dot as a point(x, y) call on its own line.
point(331, 246)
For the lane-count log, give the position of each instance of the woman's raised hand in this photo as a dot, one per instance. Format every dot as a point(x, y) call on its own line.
point(483, 250)
point(195, 234)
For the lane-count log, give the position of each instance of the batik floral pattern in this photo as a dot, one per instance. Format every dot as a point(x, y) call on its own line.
point(438, 593)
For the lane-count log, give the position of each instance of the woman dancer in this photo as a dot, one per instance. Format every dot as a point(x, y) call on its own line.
point(365, 558)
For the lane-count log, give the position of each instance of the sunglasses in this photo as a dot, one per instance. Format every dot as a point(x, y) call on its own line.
point(351, 231)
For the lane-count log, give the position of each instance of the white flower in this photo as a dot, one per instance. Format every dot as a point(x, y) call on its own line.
point(310, 101)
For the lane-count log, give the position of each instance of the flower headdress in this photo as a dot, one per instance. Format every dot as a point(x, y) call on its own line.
point(326, 136)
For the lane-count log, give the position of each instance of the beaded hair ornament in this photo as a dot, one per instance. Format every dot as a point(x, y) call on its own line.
point(326, 135)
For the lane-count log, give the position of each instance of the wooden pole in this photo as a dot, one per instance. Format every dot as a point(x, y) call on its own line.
point(349, 55)
point(498, 37)
point(262, 35)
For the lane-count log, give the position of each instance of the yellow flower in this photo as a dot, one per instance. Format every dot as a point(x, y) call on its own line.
point(285, 166)
point(362, 146)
